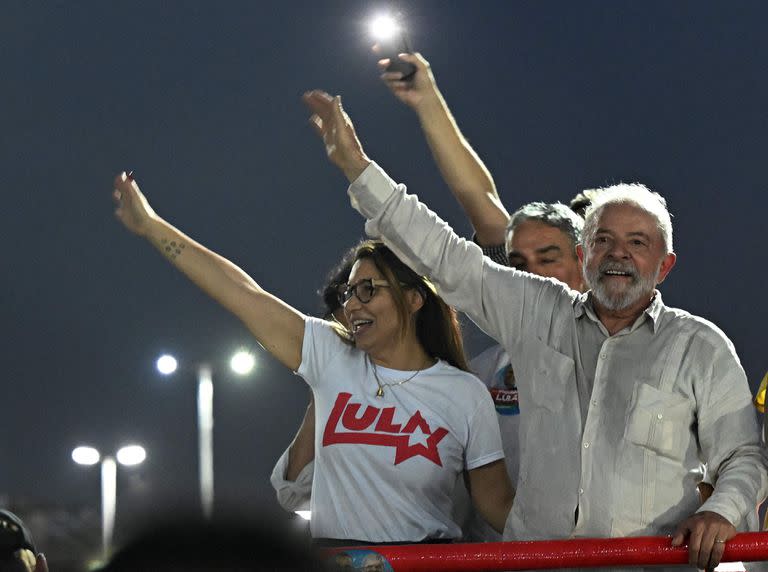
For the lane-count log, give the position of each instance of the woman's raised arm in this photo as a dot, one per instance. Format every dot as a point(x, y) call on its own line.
point(276, 325)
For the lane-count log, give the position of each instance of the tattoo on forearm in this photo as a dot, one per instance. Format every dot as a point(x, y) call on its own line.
point(172, 248)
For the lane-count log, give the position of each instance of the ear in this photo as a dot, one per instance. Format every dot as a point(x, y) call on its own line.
point(667, 264)
point(415, 300)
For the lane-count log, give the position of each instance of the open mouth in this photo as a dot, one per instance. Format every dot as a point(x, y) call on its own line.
point(360, 326)
point(619, 273)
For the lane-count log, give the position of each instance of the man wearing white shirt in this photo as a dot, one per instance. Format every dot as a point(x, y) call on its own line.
point(625, 396)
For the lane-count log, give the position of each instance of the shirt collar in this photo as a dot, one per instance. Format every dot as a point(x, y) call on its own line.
point(584, 306)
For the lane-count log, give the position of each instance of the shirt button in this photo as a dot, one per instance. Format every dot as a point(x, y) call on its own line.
point(581, 491)
point(603, 356)
point(586, 445)
point(659, 416)
point(594, 402)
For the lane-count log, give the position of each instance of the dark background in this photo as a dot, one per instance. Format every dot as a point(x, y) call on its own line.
point(202, 100)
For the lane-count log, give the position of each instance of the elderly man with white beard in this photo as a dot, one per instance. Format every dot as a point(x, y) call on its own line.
point(626, 396)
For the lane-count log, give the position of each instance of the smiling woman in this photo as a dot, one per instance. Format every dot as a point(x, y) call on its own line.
point(398, 417)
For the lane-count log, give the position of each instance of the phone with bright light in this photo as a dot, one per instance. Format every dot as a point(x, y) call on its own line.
point(398, 46)
point(392, 39)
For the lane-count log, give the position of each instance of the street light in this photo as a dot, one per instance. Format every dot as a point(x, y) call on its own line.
point(129, 455)
point(242, 363)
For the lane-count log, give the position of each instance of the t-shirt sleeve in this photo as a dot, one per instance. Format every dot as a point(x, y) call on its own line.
point(322, 345)
point(484, 438)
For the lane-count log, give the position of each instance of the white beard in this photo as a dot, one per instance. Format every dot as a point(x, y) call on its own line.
point(616, 299)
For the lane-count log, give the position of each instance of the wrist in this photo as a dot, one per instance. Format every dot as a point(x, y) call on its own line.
point(430, 102)
point(355, 166)
point(155, 229)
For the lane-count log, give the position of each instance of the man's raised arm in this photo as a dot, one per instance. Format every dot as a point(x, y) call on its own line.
point(462, 169)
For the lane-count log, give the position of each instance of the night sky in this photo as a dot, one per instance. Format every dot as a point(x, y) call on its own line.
point(202, 101)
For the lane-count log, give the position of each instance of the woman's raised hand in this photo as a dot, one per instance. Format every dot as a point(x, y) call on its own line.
point(132, 208)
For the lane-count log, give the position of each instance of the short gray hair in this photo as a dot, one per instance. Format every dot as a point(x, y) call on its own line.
point(634, 194)
point(556, 215)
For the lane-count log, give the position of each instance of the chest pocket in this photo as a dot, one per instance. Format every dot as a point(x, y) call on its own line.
point(659, 421)
point(548, 375)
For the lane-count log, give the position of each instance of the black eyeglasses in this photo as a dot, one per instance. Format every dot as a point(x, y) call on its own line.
point(364, 290)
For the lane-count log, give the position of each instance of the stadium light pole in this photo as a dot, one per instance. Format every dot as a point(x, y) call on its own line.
point(242, 363)
point(130, 455)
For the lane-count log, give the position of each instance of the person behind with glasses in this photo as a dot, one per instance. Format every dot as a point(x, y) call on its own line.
point(398, 417)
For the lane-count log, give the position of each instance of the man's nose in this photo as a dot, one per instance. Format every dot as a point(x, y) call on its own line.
point(618, 250)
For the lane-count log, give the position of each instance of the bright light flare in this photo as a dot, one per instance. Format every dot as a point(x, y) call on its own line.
point(384, 27)
point(166, 364)
point(305, 514)
point(131, 455)
point(243, 362)
point(85, 456)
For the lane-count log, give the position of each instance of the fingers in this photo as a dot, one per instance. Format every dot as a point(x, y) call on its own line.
point(117, 196)
point(415, 59)
point(707, 535)
point(711, 548)
point(124, 181)
point(325, 108)
point(679, 536)
point(338, 110)
point(695, 546)
point(120, 178)
point(317, 124)
point(318, 101)
point(715, 552)
point(391, 77)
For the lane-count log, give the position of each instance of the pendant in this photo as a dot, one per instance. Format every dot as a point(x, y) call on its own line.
point(380, 392)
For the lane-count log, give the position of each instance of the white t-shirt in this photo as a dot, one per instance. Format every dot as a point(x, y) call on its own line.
point(386, 467)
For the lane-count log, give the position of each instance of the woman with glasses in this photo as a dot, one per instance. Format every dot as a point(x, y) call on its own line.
point(398, 418)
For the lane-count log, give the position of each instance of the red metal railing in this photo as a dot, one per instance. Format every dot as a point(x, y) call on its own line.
point(574, 553)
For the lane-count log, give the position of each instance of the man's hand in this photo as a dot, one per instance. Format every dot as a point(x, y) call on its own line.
point(707, 533)
point(335, 128)
point(420, 89)
point(132, 208)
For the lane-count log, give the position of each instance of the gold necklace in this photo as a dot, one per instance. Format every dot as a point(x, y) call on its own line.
point(380, 391)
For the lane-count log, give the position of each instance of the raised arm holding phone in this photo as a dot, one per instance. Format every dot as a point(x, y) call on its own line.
point(460, 166)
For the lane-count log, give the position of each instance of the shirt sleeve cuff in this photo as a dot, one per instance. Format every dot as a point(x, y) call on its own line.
point(723, 508)
point(292, 495)
point(496, 252)
point(370, 190)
